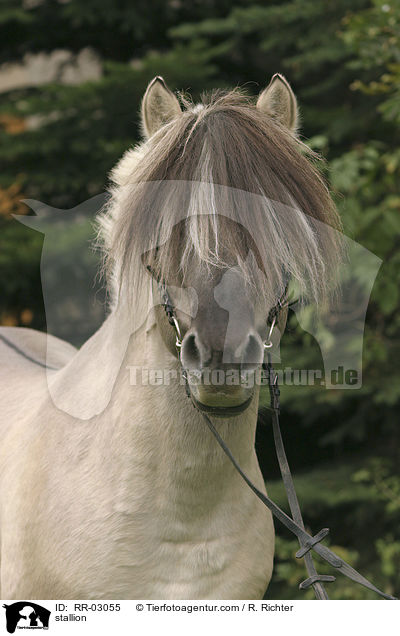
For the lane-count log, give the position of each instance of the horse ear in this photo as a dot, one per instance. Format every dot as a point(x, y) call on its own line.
point(279, 101)
point(159, 106)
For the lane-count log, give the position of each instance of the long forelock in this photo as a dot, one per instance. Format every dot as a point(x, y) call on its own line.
point(222, 159)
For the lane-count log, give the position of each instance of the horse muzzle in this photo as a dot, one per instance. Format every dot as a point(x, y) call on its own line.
point(211, 394)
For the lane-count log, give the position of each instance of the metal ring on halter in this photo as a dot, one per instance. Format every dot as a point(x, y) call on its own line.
point(268, 343)
point(178, 340)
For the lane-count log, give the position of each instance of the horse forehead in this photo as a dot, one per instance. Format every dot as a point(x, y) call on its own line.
point(218, 284)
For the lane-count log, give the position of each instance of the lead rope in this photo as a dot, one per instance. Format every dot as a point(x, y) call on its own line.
point(306, 540)
point(295, 524)
point(314, 579)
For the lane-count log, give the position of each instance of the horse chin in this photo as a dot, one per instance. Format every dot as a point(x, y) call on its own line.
point(220, 403)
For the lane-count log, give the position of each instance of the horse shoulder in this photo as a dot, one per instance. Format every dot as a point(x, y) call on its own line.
point(26, 357)
point(28, 347)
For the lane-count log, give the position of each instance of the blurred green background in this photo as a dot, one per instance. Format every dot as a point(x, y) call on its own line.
point(72, 74)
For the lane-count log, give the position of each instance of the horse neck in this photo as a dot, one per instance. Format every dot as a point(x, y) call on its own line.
point(171, 431)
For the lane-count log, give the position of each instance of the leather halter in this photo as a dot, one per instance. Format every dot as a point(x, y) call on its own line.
point(295, 524)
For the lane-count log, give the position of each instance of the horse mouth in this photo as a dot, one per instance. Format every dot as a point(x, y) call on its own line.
point(221, 401)
point(222, 411)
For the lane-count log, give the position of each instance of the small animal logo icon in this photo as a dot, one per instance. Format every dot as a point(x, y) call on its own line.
point(26, 615)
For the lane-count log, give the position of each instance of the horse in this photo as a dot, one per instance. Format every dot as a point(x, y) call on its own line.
point(113, 487)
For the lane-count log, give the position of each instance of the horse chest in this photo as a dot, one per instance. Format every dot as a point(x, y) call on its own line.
point(185, 566)
point(218, 553)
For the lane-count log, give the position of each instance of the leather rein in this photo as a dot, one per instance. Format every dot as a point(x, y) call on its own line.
point(295, 524)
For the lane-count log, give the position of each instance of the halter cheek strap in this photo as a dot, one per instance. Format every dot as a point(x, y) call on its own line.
point(295, 524)
point(170, 313)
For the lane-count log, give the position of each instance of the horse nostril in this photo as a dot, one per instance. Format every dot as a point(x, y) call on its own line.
point(195, 355)
point(253, 352)
point(190, 354)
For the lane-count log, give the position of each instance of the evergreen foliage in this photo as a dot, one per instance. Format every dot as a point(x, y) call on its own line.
point(343, 61)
